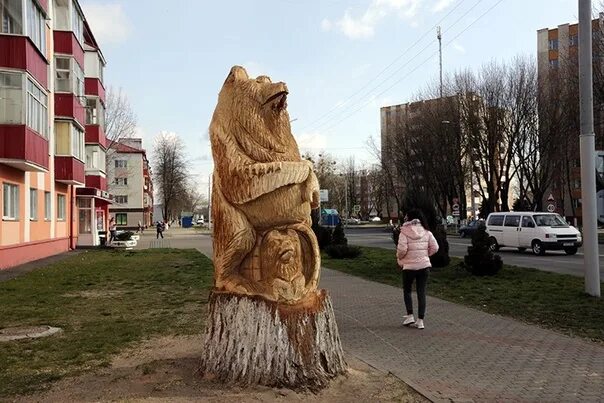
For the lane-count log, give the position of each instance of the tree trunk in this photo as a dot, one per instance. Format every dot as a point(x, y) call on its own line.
point(250, 340)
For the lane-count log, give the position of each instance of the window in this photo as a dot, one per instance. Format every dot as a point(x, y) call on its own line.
point(95, 158)
point(77, 23)
point(121, 199)
point(121, 181)
point(36, 26)
point(69, 77)
point(11, 17)
point(95, 113)
point(512, 220)
point(10, 209)
point(121, 219)
point(61, 207)
point(33, 204)
point(495, 220)
point(37, 108)
point(554, 63)
point(553, 44)
point(573, 40)
point(527, 222)
point(77, 143)
point(11, 98)
point(121, 163)
point(47, 199)
point(577, 203)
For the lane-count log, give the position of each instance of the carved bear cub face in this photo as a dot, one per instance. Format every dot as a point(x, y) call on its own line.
point(281, 255)
point(254, 112)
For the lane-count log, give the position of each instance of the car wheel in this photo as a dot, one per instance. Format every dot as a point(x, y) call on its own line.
point(538, 248)
point(571, 251)
point(493, 244)
point(521, 250)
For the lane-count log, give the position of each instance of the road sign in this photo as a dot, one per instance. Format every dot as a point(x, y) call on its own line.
point(551, 207)
point(323, 195)
point(455, 209)
point(356, 208)
point(551, 198)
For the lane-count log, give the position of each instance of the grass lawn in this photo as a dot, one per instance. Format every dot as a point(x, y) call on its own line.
point(104, 301)
point(551, 300)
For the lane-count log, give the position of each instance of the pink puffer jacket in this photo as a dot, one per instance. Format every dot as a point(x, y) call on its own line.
point(415, 246)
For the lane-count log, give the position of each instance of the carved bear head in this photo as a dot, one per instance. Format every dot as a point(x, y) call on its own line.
point(254, 112)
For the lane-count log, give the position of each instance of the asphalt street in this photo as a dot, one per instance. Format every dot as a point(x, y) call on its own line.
point(554, 261)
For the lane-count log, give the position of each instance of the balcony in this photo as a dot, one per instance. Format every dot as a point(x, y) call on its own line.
point(69, 170)
point(67, 44)
point(94, 87)
point(22, 148)
point(96, 135)
point(18, 52)
point(96, 181)
point(68, 106)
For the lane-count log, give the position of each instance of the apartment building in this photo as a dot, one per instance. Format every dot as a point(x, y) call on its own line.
point(557, 64)
point(129, 176)
point(44, 135)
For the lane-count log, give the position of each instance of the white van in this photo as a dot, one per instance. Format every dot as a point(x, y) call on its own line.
point(538, 231)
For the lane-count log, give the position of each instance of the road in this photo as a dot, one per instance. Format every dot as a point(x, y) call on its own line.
point(554, 261)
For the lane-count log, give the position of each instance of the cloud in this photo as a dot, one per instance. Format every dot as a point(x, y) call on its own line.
point(314, 141)
point(326, 25)
point(108, 22)
point(457, 46)
point(364, 26)
point(441, 5)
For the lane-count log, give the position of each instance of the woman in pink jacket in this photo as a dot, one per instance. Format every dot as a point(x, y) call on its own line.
point(415, 246)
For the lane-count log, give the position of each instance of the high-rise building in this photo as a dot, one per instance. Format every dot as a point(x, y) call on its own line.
point(130, 184)
point(557, 64)
point(52, 142)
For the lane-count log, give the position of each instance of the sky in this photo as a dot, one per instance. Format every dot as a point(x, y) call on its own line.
point(341, 59)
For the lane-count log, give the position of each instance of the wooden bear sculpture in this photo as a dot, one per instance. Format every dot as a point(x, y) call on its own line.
point(262, 195)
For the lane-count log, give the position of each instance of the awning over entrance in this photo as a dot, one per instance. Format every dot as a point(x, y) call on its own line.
point(102, 197)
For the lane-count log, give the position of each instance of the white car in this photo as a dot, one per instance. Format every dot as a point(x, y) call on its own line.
point(200, 221)
point(538, 231)
point(376, 219)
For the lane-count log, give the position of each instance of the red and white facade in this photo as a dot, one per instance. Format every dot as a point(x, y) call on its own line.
point(50, 77)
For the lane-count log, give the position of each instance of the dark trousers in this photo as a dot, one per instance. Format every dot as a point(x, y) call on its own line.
point(160, 233)
point(421, 278)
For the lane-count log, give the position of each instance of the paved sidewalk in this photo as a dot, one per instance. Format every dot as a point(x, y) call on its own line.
point(463, 354)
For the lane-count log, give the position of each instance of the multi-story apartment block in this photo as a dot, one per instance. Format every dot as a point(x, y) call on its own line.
point(42, 130)
point(129, 178)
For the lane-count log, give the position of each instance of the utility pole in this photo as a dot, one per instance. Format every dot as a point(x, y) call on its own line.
point(587, 146)
point(440, 58)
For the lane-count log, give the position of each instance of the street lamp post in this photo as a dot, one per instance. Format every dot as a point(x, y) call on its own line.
point(587, 146)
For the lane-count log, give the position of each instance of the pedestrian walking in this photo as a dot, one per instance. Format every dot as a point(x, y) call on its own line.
point(112, 229)
point(415, 246)
point(160, 230)
point(140, 227)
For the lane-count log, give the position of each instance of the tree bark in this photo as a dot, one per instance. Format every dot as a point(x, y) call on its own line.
point(250, 340)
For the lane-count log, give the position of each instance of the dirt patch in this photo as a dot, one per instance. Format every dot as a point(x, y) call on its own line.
point(94, 294)
point(164, 370)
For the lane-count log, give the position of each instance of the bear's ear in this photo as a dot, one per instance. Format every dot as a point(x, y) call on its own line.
point(237, 73)
point(263, 79)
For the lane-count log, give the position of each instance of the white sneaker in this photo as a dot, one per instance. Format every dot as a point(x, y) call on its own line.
point(408, 320)
point(419, 324)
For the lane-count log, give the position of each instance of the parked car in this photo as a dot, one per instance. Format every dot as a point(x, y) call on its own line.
point(470, 228)
point(200, 221)
point(538, 231)
point(353, 221)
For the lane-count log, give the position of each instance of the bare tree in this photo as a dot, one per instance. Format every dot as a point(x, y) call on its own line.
point(120, 119)
point(170, 170)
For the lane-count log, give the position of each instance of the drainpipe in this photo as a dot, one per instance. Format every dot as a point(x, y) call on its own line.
point(71, 217)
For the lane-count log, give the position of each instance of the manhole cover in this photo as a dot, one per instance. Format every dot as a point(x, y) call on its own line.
point(27, 332)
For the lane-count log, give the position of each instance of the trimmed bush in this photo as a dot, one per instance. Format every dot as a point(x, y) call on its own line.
point(323, 235)
point(343, 251)
point(480, 260)
point(338, 237)
point(441, 258)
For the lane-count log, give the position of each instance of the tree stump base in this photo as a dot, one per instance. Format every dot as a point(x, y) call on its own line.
point(250, 340)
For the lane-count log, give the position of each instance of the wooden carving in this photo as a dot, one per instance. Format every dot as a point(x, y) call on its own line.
point(262, 195)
